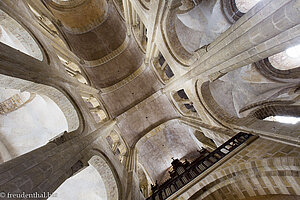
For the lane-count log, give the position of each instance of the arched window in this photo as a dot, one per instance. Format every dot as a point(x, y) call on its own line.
point(184, 104)
point(139, 30)
point(283, 119)
point(15, 36)
point(286, 60)
point(96, 108)
point(281, 66)
point(245, 5)
point(73, 70)
point(117, 145)
point(162, 68)
point(235, 9)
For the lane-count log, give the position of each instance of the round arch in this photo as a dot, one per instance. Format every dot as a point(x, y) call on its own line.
point(248, 115)
point(54, 94)
point(31, 114)
point(250, 179)
point(13, 34)
point(107, 175)
point(107, 171)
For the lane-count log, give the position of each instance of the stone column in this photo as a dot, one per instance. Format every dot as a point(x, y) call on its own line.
point(47, 167)
point(141, 31)
point(269, 28)
point(133, 190)
point(127, 15)
point(131, 160)
point(155, 13)
point(134, 17)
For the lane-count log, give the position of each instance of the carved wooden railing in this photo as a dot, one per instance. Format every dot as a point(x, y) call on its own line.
point(197, 167)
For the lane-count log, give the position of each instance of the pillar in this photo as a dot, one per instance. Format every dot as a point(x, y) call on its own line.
point(133, 190)
point(47, 167)
point(269, 28)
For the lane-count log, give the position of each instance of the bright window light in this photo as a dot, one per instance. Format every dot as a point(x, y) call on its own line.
point(293, 52)
point(283, 119)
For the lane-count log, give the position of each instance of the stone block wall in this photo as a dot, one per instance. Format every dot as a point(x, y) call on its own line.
point(262, 168)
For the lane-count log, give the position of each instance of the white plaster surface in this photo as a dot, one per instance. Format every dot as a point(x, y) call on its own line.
point(14, 35)
point(245, 5)
point(282, 61)
point(85, 185)
point(30, 126)
point(156, 148)
point(245, 86)
point(204, 23)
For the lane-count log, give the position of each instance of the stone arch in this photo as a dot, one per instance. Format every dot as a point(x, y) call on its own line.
point(43, 111)
point(144, 180)
point(178, 52)
point(145, 4)
point(260, 177)
point(235, 9)
point(16, 36)
point(86, 183)
point(268, 70)
point(107, 172)
point(231, 11)
point(286, 132)
point(156, 148)
point(273, 110)
point(58, 97)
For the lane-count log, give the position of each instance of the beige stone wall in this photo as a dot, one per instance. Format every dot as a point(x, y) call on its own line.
point(262, 168)
point(133, 94)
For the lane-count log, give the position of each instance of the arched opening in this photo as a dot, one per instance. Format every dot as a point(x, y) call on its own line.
point(283, 66)
point(144, 181)
point(86, 184)
point(255, 181)
point(15, 36)
point(283, 119)
point(245, 96)
point(156, 149)
point(47, 24)
point(235, 9)
point(162, 68)
point(73, 69)
point(30, 115)
point(117, 145)
point(95, 181)
point(286, 60)
point(107, 176)
point(240, 92)
point(184, 104)
point(96, 108)
point(245, 5)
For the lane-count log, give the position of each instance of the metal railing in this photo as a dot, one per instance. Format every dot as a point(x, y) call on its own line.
point(197, 167)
